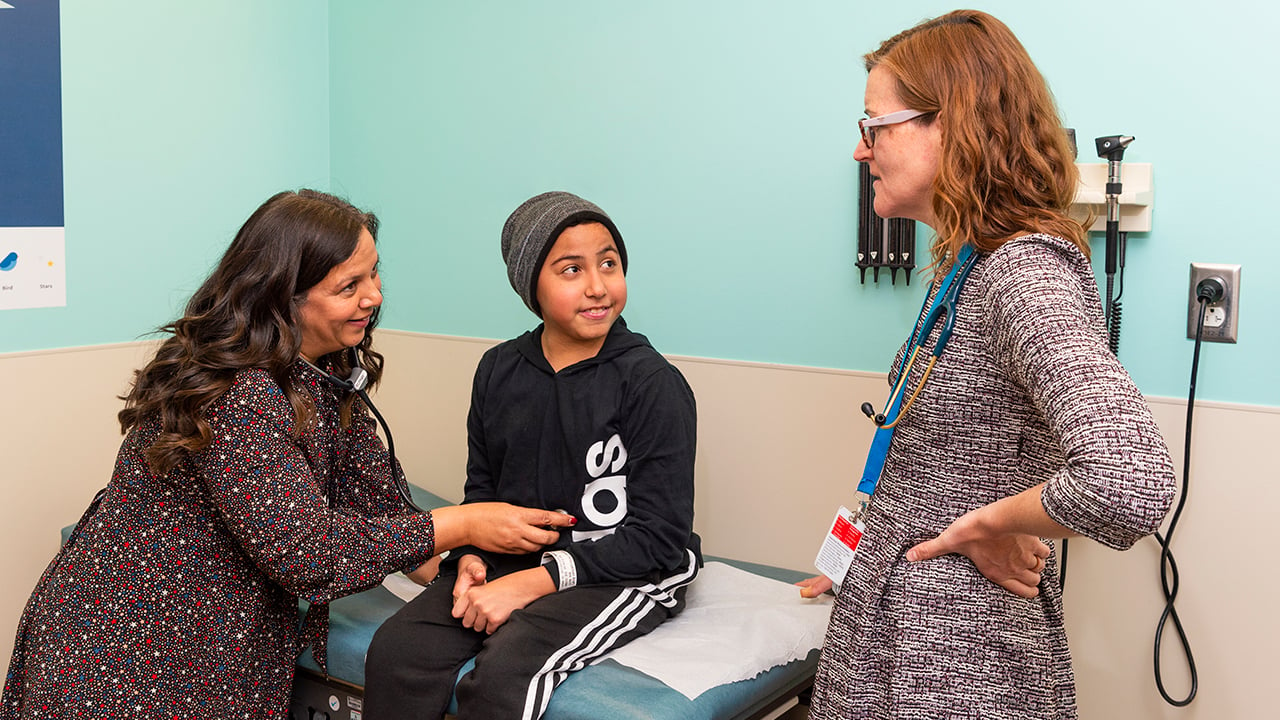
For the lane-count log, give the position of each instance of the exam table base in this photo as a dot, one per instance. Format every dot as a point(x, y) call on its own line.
point(318, 698)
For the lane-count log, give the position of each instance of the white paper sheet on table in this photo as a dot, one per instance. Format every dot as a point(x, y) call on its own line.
point(735, 625)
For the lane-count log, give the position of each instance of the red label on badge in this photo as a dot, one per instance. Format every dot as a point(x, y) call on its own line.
point(845, 532)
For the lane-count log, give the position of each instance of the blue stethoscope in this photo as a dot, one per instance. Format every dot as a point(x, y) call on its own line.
point(943, 308)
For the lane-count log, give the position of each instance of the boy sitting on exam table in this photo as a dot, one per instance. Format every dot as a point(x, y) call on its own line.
point(579, 415)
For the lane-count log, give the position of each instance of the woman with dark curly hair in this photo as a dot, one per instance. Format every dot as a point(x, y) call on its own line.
point(247, 480)
point(1025, 430)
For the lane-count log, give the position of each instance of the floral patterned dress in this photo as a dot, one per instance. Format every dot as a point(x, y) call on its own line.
point(177, 596)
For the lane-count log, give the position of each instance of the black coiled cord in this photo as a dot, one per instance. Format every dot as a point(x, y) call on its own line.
point(1113, 332)
point(1168, 566)
point(1113, 314)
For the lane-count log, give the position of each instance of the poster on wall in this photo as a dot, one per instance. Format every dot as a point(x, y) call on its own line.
point(32, 229)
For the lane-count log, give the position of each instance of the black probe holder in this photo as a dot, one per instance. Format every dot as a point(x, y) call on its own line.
point(882, 243)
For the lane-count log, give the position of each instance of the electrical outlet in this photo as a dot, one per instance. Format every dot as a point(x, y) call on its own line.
point(1222, 317)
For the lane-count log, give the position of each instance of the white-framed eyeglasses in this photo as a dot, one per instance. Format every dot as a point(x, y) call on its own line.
point(867, 126)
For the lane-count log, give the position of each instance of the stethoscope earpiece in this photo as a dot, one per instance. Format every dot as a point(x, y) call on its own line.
point(870, 411)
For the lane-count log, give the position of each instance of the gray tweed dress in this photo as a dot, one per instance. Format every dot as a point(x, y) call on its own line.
point(1026, 393)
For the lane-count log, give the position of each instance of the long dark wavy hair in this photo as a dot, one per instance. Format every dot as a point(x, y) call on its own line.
point(1006, 165)
point(245, 315)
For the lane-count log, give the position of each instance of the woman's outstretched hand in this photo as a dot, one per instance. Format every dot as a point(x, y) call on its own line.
point(498, 527)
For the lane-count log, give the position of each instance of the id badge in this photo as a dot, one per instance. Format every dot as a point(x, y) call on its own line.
point(839, 546)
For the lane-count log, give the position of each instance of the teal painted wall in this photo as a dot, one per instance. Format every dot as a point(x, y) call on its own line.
point(718, 134)
point(178, 120)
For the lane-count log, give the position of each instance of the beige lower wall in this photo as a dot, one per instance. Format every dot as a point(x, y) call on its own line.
point(58, 442)
point(779, 449)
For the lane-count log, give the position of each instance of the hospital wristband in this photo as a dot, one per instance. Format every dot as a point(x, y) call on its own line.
point(565, 573)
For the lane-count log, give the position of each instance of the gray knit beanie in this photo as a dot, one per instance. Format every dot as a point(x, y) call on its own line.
point(532, 229)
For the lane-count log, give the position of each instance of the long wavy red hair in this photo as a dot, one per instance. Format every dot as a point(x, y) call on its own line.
point(1006, 166)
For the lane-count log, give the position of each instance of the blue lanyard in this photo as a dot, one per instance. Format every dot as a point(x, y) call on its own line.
point(943, 301)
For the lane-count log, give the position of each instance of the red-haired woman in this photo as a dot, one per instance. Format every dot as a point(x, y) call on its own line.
point(1027, 427)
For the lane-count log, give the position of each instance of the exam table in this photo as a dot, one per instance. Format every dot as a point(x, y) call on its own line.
point(606, 690)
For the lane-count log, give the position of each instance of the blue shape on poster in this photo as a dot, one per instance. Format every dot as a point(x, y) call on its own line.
point(9, 262)
point(31, 109)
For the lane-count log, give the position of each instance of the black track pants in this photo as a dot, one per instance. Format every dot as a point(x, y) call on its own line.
point(415, 656)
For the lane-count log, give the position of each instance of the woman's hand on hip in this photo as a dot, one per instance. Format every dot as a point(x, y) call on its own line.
point(1011, 560)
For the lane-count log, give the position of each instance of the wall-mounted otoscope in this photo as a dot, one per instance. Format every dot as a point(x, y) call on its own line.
point(1111, 148)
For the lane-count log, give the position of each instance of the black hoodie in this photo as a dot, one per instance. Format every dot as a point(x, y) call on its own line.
point(610, 440)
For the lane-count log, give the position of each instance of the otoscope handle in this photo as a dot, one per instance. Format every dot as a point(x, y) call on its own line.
point(1113, 245)
point(1111, 147)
